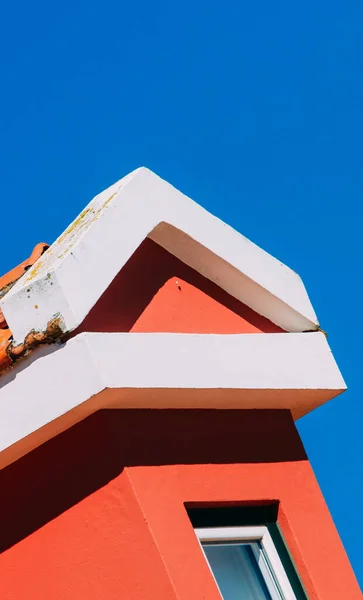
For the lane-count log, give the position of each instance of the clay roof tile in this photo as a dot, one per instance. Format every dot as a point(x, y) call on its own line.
point(6, 282)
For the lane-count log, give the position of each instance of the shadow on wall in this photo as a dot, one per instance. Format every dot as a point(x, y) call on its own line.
point(64, 470)
point(148, 270)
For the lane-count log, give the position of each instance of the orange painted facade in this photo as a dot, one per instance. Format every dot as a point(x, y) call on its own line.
point(157, 292)
point(100, 510)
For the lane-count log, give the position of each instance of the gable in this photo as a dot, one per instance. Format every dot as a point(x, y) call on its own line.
point(149, 301)
point(157, 292)
point(76, 270)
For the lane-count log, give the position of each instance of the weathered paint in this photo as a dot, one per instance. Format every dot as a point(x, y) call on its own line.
point(99, 511)
point(7, 281)
point(81, 264)
point(143, 297)
point(34, 339)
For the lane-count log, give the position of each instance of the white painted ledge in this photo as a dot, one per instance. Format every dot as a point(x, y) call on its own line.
point(72, 275)
point(59, 386)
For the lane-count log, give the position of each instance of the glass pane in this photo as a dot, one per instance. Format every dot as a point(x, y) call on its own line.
point(236, 571)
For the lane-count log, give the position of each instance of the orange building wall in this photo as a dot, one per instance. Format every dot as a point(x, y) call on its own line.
point(98, 512)
point(157, 292)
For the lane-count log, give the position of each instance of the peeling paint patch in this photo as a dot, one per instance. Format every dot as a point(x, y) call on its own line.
point(53, 332)
point(7, 281)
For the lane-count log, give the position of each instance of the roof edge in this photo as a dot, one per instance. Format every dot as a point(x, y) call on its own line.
point(296, 372)
point(84, 260)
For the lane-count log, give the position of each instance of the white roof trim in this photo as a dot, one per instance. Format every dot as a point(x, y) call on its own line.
point(72, 275)
point(47, 394)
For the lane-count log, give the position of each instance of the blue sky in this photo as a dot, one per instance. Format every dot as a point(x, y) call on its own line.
point(254, 109)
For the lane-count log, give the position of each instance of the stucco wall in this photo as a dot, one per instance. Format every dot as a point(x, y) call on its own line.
point(98, 512)
point(157, 292)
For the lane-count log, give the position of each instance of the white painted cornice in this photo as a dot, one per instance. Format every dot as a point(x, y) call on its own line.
point(70, 277)
point(57, 386)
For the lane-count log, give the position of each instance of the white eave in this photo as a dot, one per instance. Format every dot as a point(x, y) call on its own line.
point(48, 394)
point(70, 277)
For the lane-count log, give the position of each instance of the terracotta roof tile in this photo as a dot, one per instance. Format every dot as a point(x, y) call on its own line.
point(8, 280)
point(6, 283)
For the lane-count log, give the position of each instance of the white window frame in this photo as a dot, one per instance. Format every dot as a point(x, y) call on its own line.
point(266, 556)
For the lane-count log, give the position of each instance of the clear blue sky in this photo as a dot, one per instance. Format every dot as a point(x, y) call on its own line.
point(254, 109)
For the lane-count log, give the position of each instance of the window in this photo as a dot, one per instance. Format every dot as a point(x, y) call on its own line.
point(245, 563)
